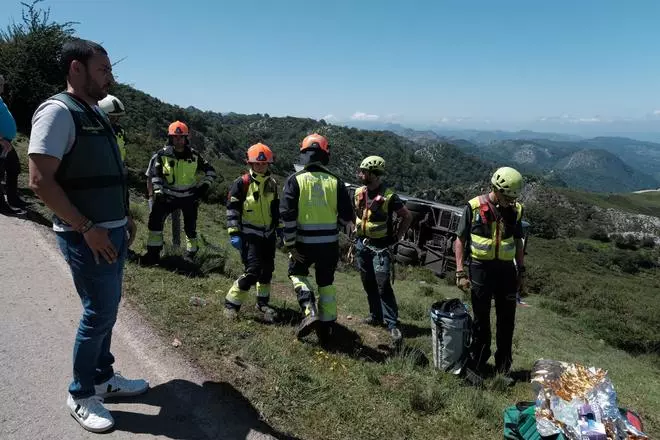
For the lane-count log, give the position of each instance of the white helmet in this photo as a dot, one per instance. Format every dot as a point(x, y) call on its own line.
point(112, 106)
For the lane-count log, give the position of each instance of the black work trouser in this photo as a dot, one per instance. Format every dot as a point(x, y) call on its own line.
point(164, 206)
point(493, 279)
point(258, 255)
point(324, 257)
point(10, 168)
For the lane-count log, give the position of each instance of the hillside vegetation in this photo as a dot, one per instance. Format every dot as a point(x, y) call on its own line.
point(587, 305)
point(594, 296)
point(597, 165)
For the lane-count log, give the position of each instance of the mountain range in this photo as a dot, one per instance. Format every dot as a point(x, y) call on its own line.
point(440, 166)
point(601, 164)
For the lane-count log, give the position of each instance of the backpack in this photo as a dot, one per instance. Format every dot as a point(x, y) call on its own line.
point(451, 333)
point(520, 423)
point(246, 184)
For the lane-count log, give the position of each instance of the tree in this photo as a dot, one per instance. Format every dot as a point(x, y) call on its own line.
point(29, 55)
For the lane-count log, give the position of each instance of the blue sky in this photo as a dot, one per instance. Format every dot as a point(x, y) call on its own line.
point(407, 61)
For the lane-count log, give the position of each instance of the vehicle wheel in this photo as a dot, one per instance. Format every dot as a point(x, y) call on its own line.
point(407, 251)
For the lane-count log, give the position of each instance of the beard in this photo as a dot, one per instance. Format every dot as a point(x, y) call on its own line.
point(94, 90)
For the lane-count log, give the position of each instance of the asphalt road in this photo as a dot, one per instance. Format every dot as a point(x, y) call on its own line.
point(39, 314)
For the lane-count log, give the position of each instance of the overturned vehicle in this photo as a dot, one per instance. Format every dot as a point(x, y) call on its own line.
point(430, 239)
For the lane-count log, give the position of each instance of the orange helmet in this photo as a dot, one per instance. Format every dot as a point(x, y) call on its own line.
point(177, 128)
point(259, 153)
point(315, 140)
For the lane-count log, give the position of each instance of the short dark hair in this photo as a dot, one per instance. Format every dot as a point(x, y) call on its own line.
point(78, 49)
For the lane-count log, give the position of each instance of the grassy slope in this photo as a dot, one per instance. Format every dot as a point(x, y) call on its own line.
point(644, 203)
point(360, 392)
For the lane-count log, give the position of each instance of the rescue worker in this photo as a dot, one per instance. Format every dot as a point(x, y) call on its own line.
point(313, 202)
point(252, 217)
point(176, 186)
point(115, 109)
point(375, 205)
point(491, 229)
point(175, 217)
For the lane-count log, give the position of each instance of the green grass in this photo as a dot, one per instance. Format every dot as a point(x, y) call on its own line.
point(603, 287)
point(363, 390)
point(644, 203)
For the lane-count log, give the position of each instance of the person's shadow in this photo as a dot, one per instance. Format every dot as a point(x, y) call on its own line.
point(215, 410)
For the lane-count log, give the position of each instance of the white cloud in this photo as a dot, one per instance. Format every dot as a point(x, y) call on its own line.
point(361, 116)
point(330, 118)
point(594, 119)
point(656, 112)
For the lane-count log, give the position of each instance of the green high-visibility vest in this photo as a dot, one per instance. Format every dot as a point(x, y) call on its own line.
point(489, 240)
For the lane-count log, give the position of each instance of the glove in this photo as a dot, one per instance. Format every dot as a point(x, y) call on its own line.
point(236, 242)
point(294, 254)
point(462, 281)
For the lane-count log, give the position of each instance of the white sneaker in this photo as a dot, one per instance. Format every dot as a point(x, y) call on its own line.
point(90, 413)
point(118, 385)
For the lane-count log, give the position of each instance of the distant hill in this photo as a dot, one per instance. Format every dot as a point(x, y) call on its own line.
point(481, 137)
point(599, 164)
point(601, 171)
point(643, 156)
point(485, 137)
point(555, 156)
point(562, 212)
point(228, 135)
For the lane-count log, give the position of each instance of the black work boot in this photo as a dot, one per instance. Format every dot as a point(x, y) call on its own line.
point(309, 322)
point(189, 256)
point(5, 209)
point(16, 202)
point(326, 332)
point(152, 257)
point(268, 313)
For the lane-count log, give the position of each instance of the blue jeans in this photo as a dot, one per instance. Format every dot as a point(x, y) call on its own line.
point(99, 287)
point(375, 270)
